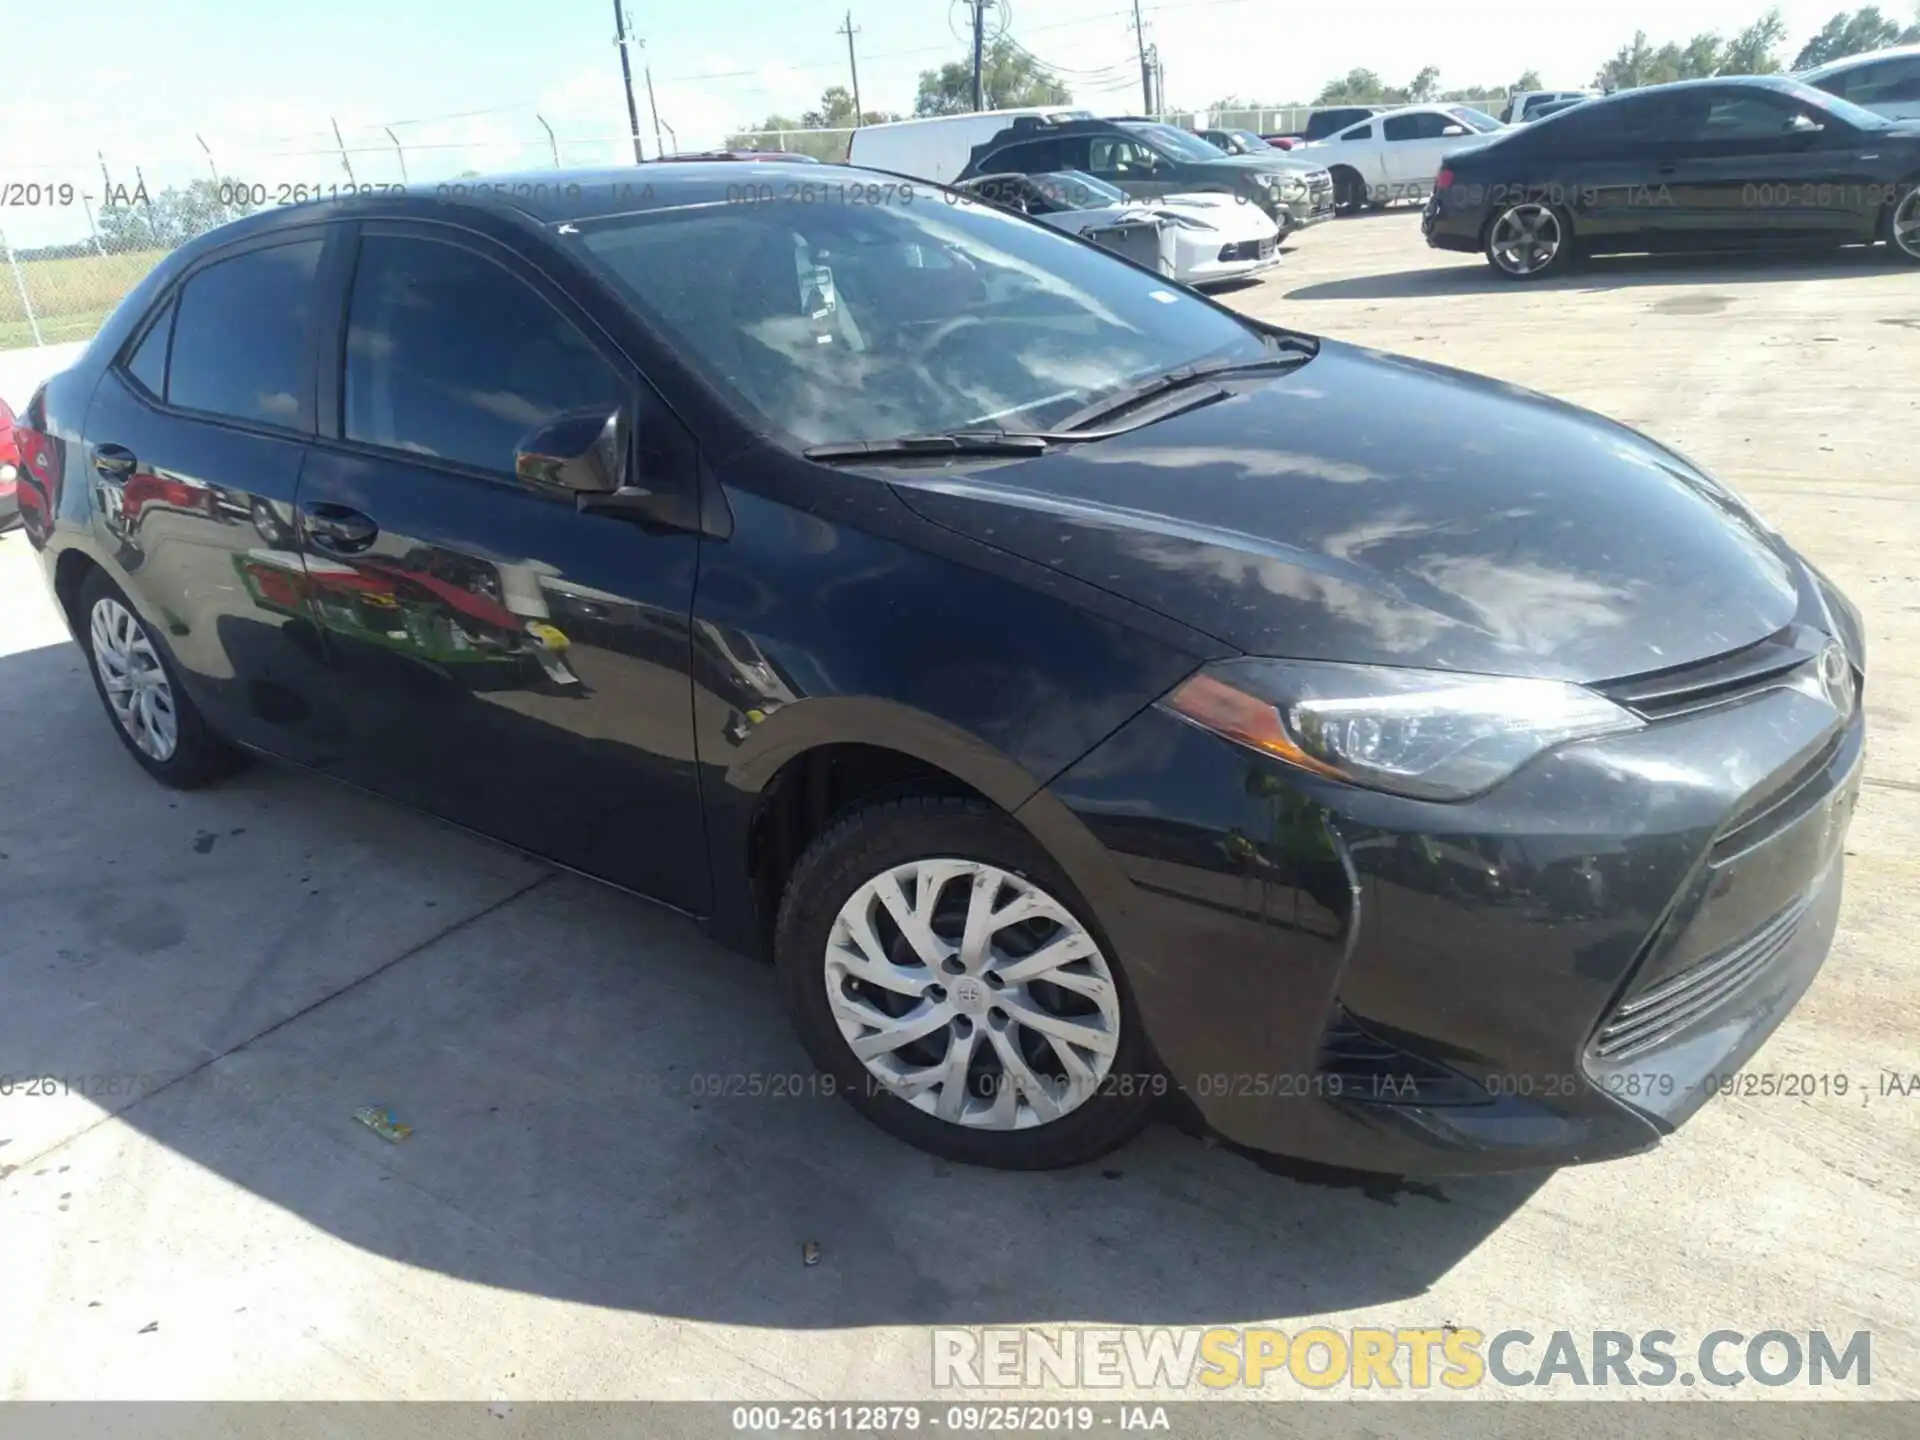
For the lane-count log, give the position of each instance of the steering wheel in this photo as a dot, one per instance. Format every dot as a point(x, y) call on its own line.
point(942, 333)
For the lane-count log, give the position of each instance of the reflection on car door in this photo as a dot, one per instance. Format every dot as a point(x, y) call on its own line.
point(507, 661)
point(1754, 166)
point(198, 433)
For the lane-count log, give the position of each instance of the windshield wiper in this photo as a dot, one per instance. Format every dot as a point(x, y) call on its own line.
point(1107, 409)
point(953, 442)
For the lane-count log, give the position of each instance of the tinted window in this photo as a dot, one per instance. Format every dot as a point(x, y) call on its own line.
point(1359, 132)
point(148, 363)
point(1710, 117)
point(1417, 127)
point(842, 322)
point(240, 336)
point(1028, 159)
point(449, 355)
point(1889, 82)
point(1121, 157)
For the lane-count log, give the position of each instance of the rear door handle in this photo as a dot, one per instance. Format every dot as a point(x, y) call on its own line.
point(338, 528)
point(114, 463)
point(1667, 167)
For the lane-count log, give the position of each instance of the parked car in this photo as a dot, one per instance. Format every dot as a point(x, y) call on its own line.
point(1086, 735)
point(1322, 123)
point(1237, 142)
point(1394, 155)
point(1700, 164)
point(1526, 105)
point(1149, 160)
point(9, 472)
point(1214, 238)
point(1885, 81)
point(936, 148)
point(1553, 107)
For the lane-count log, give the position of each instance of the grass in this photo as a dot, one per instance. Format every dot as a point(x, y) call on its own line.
point(71, 296)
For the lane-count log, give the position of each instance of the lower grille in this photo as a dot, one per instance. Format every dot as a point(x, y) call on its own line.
point(1655, 1015)
point(1375, 1069)
point(1247, 250)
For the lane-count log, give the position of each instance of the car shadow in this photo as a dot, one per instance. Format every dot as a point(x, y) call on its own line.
point(1610, 272)
point(605, 1107)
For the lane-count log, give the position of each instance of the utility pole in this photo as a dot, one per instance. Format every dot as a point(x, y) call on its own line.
point(626, 75)
point(659, 145)
point(979, 44)
point(1159, 82)
point(853, 64)
point(1146, 75)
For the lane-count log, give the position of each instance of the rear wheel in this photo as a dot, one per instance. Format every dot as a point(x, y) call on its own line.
point(944, 973)
point(1530, 241)
point(1900, 227)
point(1349, 190)
point(154, 718)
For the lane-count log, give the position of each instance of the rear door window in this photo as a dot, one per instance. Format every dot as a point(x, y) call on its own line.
point(148, 363)
point(242, 334)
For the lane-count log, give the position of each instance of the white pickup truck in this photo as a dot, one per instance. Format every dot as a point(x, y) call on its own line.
point(1395, 155)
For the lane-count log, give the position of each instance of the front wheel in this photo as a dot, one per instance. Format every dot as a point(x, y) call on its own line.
point(1530, 241)
point(1349, 191)
point(1901, 226)
point(944, 974)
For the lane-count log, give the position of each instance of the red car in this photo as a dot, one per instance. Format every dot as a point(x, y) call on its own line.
point(9, 471)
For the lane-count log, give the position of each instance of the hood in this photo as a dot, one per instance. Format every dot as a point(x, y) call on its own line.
point(1279, 163)
point(1376, 509)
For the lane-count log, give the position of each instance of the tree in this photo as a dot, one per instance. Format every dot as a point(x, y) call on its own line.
point(1008, 78)
point(1751, 51)
point(133, 219)
point(833, 117)
point(1529, 80)
point(1865, 29)
point(1356, 87)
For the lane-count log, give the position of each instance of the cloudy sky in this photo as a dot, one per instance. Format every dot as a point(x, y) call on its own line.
point(464, 84)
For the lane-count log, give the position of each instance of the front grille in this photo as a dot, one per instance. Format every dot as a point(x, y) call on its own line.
point(1723, 680)
point(1664, 1010)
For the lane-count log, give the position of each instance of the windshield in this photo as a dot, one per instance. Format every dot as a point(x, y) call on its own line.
point(1252, 141)
point(1855, 115)
point(909, 315)
point(1077, 190)
point(1177, 142)
point(1475, 119)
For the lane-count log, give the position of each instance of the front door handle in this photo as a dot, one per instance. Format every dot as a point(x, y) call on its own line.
point(1668, 167)
point(338, 528)
point(114, 463)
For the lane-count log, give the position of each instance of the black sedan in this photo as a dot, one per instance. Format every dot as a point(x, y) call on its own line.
point(1704, 164)
point(1085, 695)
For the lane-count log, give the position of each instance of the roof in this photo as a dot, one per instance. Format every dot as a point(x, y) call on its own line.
point(1847, 62)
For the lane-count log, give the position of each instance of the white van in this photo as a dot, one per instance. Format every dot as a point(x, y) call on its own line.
point(938, 147)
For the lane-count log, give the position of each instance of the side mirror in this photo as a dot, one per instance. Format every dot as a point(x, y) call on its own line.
point(1454, 130)
point(582, 452)
point(1804, 125)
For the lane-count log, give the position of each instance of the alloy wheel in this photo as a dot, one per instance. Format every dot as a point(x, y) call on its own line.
point(972, 994)
point(1525, 239)
point(1906, 224)
point(134, 679)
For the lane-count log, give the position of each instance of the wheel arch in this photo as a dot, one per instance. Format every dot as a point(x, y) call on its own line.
point(810, 762)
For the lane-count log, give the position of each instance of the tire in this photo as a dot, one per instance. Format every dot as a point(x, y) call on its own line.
point(1349, 190)
point(1510, 241)
point(1900, 224)
point(153, 717)
point(951, 850)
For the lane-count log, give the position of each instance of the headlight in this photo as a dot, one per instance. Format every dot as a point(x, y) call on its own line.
point(1430, 734)
point(1291, 189)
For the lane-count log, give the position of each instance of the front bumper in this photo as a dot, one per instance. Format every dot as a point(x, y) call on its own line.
point(9, 498)
point(1387, 984)
point(1315, 209)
